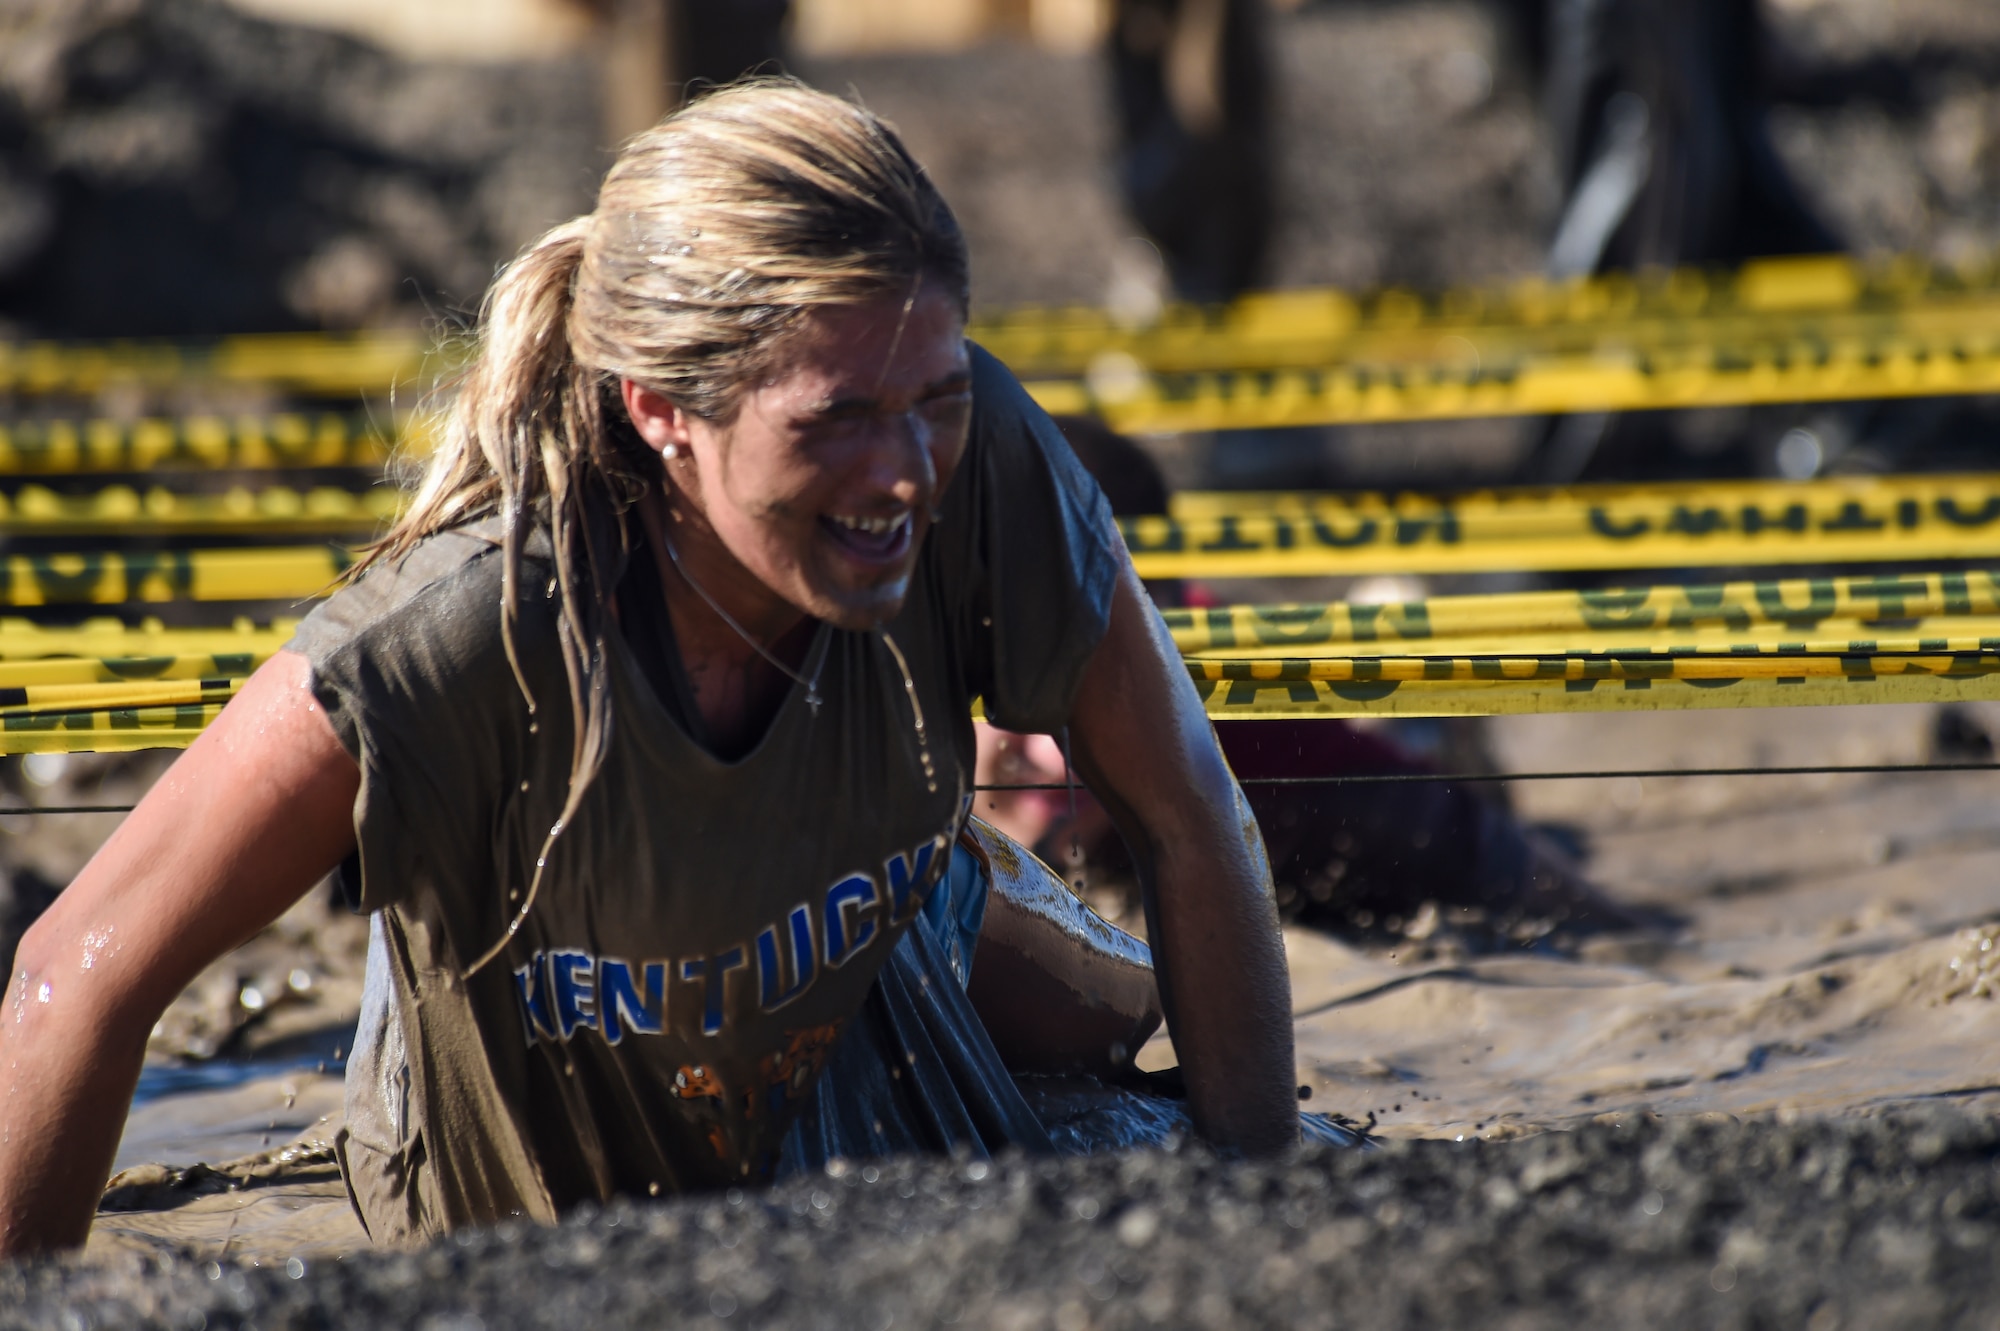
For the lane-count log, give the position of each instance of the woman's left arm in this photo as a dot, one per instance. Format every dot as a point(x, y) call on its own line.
point(1144, 744)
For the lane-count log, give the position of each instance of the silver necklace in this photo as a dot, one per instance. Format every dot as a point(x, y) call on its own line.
point(813, 700)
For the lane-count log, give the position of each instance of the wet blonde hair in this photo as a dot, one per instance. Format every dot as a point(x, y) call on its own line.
point(715, 233)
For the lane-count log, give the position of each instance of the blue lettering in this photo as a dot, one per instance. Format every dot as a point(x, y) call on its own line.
point(621, 1006)
point(576, 990)
point(710, 972)
point(908, 876)
point(803, 966)
point(531, 987)
point(850, 917)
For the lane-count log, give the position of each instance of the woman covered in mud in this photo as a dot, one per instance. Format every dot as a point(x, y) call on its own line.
point(646, 738)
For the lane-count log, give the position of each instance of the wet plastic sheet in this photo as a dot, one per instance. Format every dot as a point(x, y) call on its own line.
point(915, 1072)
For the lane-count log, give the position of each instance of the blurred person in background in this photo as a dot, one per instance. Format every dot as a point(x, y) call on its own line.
point(1190, 85)
point(1364, 861)
point(655, 51)
point(1658, 110)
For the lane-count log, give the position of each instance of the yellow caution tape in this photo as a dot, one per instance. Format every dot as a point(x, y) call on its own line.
point(103, 686)
point(111, 640)
point(157, 688)
point(111, 730)
point(1800, 329)
point(1220, 536)
point(1780, 330)
point(1250, 699)
point(1769, 298)
point(1823, 297)
point(122, 510)
point(1876, 518)
point(26, 702)
point(250, 442)
point(319, 364)
point(1871, 519)
point(139, 719)
point(1587, 671)
point(22, 681)
point(1907, 606)
point(1667, 526)
point(93, 577)
point(1609, 380)
point(1835, 637)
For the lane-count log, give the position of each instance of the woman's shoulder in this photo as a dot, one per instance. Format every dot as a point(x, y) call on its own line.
point(441, 598)
point(998, 398)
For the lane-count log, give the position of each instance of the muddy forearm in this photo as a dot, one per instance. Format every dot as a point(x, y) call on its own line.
point(62, 1109)
point(1223, 982)
point(1148, 751)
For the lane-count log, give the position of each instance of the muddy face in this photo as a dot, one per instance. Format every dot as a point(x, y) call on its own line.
point(823, 483)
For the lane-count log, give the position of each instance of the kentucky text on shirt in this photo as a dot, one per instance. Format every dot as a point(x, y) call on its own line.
point(566, 989)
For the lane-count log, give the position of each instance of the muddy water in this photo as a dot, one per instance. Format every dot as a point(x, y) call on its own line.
point(1832, 954)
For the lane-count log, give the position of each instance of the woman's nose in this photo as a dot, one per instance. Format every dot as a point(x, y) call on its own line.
point(903, 463)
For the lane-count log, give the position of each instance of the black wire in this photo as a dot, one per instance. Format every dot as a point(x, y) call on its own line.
point(70, 808)
point(1391, 778)
point(1384, 778)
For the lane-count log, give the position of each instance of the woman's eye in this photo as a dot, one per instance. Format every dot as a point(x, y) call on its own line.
point(947, 410)
point(840, 430)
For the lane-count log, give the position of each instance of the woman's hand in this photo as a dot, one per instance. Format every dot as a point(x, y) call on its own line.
point(259, 809)
point(1144, 744)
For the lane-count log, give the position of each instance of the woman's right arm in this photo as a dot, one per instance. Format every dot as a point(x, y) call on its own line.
point(259, 809)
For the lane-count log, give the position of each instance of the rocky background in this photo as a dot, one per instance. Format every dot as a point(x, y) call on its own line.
point(175, 167)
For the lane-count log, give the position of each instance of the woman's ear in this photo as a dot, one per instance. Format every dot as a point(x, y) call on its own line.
point(663, 425)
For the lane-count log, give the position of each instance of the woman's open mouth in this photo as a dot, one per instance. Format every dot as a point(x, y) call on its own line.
point(872, 540)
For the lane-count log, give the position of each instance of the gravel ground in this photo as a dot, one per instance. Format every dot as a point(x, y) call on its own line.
point(1635, 1221)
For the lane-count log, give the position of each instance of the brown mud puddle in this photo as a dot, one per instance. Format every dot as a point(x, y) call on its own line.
point(1836, 953)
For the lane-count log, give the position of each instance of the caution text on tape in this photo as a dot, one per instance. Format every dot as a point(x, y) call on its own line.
point(1841, 519)
point(1956, 605)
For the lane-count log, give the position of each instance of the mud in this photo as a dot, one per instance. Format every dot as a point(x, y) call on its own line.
point(1628, 1221)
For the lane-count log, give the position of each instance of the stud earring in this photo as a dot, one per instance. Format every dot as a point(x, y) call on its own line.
point(670, 451)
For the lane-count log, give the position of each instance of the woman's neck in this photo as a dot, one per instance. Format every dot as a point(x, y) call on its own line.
point(736, 689)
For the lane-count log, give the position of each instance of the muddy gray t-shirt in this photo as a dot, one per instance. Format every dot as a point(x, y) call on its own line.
point(704, 927)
